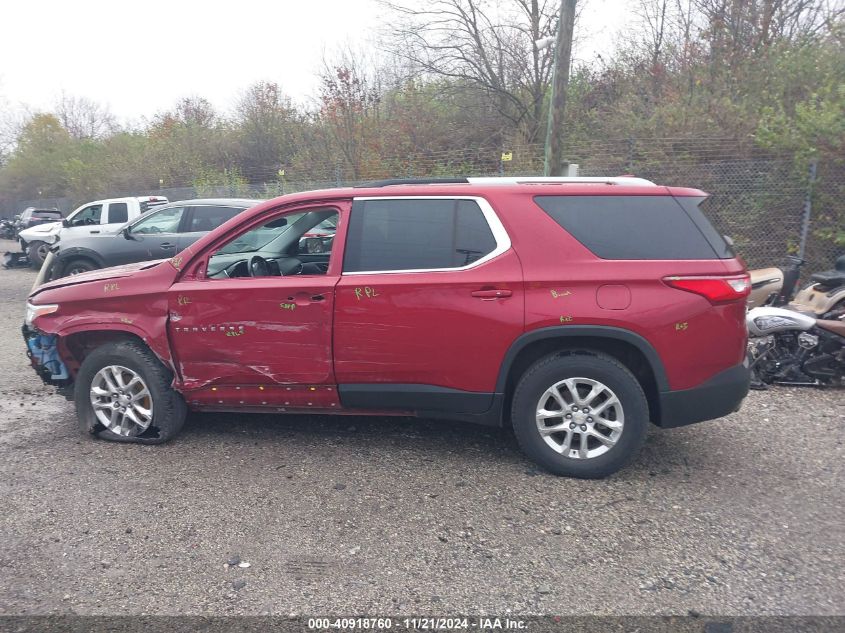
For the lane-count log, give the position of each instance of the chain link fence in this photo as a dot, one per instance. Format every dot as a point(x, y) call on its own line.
point(768, 203)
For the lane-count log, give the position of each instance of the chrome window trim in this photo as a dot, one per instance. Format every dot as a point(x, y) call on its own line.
point(503, 240)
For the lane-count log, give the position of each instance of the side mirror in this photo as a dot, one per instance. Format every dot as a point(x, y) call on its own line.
point(65, 223)
point(127, 233)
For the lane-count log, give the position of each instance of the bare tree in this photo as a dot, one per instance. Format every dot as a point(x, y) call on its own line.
point(83, 118)
point(267, 123)
point(479, 45)
point(350, 107)
point(736, 28)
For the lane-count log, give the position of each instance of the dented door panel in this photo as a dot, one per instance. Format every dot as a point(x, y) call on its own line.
point(252, 331)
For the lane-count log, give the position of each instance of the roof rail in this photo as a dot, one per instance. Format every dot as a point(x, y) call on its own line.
point(412, 181)
point(630, 181)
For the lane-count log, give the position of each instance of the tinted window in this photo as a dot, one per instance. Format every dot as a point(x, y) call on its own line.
point(629, 227)
point(118, 212)
point(416, 234)
point(693, 208)
point(164, 221)
point(209, 218)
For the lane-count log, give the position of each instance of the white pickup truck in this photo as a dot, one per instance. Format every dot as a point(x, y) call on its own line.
point(99, 217)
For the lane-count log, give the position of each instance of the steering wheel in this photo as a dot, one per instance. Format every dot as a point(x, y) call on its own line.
point(258, 266)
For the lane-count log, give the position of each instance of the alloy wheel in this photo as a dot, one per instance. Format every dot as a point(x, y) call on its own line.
point(580, 418)
point(121, 400)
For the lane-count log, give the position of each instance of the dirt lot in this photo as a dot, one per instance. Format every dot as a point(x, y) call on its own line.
point(369, 515)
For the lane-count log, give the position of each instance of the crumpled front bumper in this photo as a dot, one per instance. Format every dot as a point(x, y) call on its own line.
point(42, 350)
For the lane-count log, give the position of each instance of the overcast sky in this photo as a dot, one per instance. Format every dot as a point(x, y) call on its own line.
point(139, 58)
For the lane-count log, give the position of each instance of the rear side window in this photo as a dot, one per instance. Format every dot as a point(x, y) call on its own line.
point(416, 234)
point(634, 227)
point(118, 212)
point(209, 218)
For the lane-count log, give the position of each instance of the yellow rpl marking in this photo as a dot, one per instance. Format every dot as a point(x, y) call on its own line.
point(682, 326)
point(562, 293)
point(111, 287)
point(287, 306)
point(182, 300)
point(365, 292)
point(565, 319)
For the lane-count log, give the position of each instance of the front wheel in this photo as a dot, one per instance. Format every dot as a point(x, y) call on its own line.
point(123, 393)
point(78, 266)
point(37, 253)
point(580, 414)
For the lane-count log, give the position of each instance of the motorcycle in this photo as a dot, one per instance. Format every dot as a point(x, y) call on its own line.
point(788, 347)
point(825, 295)
point(8, 230)
point(775, 286)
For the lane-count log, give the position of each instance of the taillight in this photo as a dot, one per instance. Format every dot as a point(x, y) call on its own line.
point(714, 289)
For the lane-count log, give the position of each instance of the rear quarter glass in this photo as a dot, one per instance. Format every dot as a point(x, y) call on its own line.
point(637, 227)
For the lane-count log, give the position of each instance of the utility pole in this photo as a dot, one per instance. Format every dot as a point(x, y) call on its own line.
point(554, 164)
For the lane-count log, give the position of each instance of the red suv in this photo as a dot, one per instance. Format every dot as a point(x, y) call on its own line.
point(576, 310)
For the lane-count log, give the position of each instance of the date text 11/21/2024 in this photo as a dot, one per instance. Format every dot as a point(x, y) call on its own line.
point(417, 624)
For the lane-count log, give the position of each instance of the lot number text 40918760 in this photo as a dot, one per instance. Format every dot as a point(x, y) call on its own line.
point(416, 624)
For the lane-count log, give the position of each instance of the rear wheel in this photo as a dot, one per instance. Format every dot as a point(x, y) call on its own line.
point(37, 253)
point(123, 393)
point(580, 414)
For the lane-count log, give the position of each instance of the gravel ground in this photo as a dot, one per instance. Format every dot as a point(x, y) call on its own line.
point(340, 515)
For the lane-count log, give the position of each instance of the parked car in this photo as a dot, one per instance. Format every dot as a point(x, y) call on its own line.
point(161, 233)
point(31, 217)
point(93, 218)
point(575, 310)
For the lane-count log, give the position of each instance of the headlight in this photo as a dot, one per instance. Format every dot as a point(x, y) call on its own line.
point(35, 311)
point(772, 322)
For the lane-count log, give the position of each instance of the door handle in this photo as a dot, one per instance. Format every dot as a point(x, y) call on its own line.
point(495, 293)
point(167, 245)
point(302, 299)
point(92, 232)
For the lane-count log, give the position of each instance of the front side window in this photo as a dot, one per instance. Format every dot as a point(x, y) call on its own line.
point(280, 247)
point(164, 221)
point(416, 234)
point(87, 216)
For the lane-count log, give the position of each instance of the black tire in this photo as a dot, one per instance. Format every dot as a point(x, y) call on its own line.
point(77, 266)
point(595, 366)
point(169, 408)
point(37, 252)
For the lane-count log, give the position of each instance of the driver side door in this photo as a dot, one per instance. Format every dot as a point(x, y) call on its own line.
point(154, 236)
point(262, 340)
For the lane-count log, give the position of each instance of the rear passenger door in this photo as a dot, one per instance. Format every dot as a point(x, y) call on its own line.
point(200, 219)
point(429, 301)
